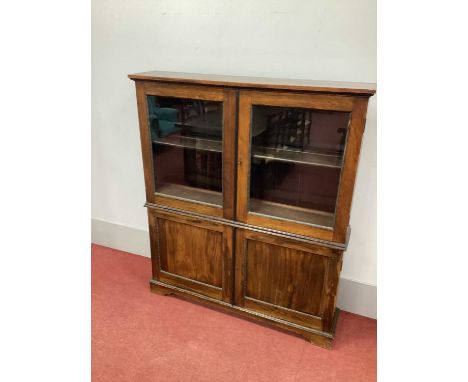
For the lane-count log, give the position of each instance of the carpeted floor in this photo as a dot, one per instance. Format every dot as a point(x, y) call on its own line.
point(140, 336)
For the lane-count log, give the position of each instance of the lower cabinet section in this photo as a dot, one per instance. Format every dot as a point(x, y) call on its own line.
point(282, 281)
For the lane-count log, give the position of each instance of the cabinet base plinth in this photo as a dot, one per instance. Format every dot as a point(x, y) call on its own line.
point(161, 291)
point(316, 337)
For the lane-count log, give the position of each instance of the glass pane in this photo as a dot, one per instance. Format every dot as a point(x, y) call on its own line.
point(296, 162)
point(187, 140)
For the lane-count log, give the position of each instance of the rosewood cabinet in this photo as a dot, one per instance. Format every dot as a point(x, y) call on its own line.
point(249, 183)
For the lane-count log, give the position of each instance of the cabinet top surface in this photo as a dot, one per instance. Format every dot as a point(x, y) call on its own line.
point(357, 88)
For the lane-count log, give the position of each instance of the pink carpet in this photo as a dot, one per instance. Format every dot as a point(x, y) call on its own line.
point(141, 336)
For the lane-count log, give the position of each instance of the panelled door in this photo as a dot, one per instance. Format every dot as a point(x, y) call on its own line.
point(192, 254)
point(297, 159)
point(285, 278)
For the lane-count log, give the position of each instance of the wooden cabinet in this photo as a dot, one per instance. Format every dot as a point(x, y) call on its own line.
point(249, 184)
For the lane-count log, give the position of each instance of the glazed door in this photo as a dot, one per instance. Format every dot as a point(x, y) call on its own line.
point(297, 161)
point(187, 135)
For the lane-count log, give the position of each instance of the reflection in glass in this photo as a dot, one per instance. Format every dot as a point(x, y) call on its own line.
point(296, 162)
point(187, 147)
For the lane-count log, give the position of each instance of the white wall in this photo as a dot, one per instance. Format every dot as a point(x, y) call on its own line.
point(314, 39)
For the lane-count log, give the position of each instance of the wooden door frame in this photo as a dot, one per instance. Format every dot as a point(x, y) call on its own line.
point(206, 93)
point(357, 106)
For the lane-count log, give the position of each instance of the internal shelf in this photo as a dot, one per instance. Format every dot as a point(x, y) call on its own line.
point(207, 122)
point(191, 193)
point(297, 214)
point(190, 143)
point(299, 157)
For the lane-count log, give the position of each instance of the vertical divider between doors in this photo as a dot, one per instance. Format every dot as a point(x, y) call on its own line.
point(229, 153)
point(239, 266)
point(236, 157)
point(234, 230)
point(229, 189)
point(243, 164)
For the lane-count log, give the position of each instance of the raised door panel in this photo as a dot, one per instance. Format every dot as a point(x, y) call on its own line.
point(286, 279)
point(192, 254)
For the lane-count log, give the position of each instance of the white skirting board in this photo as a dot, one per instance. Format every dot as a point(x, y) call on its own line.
point(120, 237)
point(353, 296)
point(357, 297)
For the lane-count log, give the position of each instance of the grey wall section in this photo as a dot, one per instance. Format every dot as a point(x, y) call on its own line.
point(120, 237)
point(353, 296)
